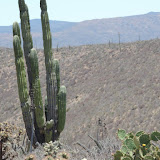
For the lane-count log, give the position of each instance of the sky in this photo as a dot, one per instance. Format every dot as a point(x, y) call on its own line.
point(77, 10)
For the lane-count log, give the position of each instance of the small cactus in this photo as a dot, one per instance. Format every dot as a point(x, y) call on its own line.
point(31, 157)
point(138, 146)
point(52, 148)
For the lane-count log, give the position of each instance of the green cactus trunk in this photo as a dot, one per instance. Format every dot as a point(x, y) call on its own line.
point(50, 67)
point(26, 35)
point(39, 117)
point(49, 121)
point(57, 70)
point(22, 83)
point(16, 31)
point(38, 104)
point(27, 46)
point(61, 108)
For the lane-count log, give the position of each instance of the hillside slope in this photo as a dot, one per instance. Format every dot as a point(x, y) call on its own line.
point(120, 88)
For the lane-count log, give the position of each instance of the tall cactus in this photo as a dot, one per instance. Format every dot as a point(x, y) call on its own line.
point(26, 35)
point(47, 124)
point(22, 81)
point(50, 66)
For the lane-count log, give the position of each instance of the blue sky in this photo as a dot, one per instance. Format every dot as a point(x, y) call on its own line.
point(78, 10)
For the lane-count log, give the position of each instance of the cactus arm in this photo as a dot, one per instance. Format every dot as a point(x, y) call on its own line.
point(48, 131)
point(27, 46)
point(16, 30)
point(57, 71)
point(47, 43)
point(61, 108)
point(22, 85)
point(49, 125)
point(26, 35)
point(52, 77)
point(21, 74)
point(39, 110)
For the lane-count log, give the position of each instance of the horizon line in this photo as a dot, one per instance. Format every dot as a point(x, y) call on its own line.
point(151, 12)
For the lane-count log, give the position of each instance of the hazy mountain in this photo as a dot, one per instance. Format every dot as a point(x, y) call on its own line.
point(131, 28)
point(56, 26)
point(36, 29)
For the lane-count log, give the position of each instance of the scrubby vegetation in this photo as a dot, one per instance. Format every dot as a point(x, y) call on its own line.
point(16, 145)
point(146, 52)
point(43, 125)
point(138, 146)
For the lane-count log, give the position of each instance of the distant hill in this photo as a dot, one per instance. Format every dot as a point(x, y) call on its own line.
point(36, 29)
point(131, 28)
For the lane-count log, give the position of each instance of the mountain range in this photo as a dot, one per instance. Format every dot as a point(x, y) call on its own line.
point(97, 31)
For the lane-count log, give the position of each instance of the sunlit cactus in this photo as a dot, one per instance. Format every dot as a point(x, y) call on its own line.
point(49, 119)
point(61, 108)
point(26, 36)
point(49, 63)
point(16, 30)
point(22, 84)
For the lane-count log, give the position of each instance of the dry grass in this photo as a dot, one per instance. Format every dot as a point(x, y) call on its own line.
point(121, 88)
point(16, 147)
point(109, 146)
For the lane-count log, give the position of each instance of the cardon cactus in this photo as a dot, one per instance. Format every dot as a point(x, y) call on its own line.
point(139, 146)
point(42, 124)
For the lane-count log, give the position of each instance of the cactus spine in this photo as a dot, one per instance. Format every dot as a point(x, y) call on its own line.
point(49, 63)
point(49, 123)
point(26, 35)
point(22, 81)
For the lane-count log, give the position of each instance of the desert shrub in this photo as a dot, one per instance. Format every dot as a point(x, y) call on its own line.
point(138, 146)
